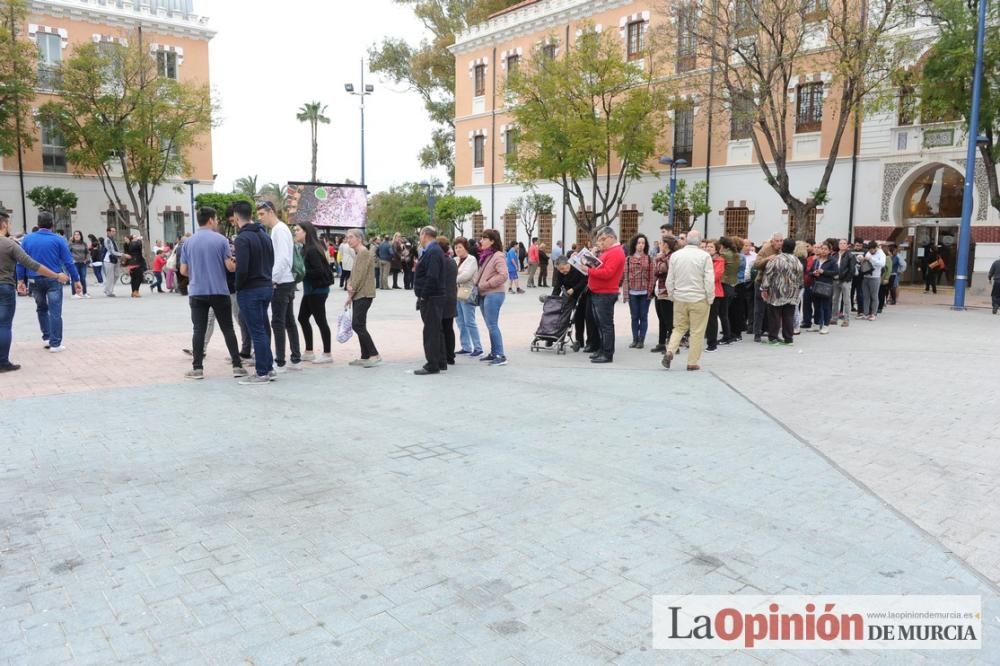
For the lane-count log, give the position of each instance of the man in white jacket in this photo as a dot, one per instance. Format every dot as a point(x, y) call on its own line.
point(691, 286)
point(871, 271)
point(283, 321)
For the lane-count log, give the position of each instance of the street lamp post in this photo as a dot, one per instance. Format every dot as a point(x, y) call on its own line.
point(431, 197)
point(191, 183)
point(673, 164)
point(962, 268)
point(363, 91)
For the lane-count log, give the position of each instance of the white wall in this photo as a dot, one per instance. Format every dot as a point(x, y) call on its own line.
point(90, 211)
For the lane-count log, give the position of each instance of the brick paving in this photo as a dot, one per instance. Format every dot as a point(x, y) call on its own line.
point(492, 515)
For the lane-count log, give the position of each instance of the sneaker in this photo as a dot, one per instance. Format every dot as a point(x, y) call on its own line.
point(845, 323)
point(658, 349)
point(823, 330)
point(308, 356)
point(322, 359)
point(872, 317)
point(358, 362)
point(86, 295)
point(774, 343)
point(476, 353)
point(372, 362)
point(520, 291)
point(294, 366)
point(711, 349)
point(239, 372)
point(272, 375)
point(280, 369)
point(194, 374)
point(255, 380)
point(58, 350)
point(77, 296)
point(499, 360)
point(489, 358)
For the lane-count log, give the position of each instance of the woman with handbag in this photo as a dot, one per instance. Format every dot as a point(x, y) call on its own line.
point(468, 329)
point(825, 269)
point(489, 287)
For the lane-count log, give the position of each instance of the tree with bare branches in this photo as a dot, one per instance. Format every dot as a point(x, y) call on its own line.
point(782, 67)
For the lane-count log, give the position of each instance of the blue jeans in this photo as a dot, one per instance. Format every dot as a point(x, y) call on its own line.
point(808, 306)
point(48, 295)
point(98, 274)
point(81, 268)
point(253, 306)
point(822, 310)
point(8, 303)
point(638, 305)
point(491, 313)
point(467, 328)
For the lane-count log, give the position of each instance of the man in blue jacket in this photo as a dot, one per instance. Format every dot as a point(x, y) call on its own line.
point(254, 288)
point(50, 250)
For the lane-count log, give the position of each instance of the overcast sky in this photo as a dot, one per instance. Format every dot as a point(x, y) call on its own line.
point(266, 61)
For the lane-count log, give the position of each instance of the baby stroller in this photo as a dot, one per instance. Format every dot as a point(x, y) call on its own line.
point(554, 330)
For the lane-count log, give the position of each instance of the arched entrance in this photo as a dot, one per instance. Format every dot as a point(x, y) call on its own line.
point(928, 211)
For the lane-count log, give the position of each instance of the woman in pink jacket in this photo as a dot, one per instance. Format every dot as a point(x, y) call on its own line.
point(491, 280)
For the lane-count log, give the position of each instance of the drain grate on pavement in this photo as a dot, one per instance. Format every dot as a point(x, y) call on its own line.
point(428, 451)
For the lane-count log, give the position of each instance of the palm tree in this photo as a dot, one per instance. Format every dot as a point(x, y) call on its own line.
point(312, 112)
point(277, 195)
point(246, 185)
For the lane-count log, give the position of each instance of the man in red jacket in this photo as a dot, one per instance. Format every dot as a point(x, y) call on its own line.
point(604, 282)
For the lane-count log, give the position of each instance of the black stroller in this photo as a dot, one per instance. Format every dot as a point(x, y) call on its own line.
point(555, 328)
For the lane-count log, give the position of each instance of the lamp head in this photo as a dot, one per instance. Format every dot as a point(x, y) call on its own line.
point(981, 140)
point(666, 160)
point(369, 88)
point(349, 87)
point(681, 163)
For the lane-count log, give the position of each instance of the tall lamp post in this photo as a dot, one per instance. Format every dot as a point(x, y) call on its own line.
point(431, 190)
point(363, 91)
point(674, 165)
point(962, 268)
point(191, 183)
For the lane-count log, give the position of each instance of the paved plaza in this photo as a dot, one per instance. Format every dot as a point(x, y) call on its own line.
point(514, 515)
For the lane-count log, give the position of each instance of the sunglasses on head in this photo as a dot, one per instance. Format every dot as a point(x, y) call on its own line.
point(265, 204)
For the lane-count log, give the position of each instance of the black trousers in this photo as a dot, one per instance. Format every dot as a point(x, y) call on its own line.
point(856, 295)
point(583, 319)
point(395, 278)
point(432, 314)
point(359, 324)
point(136, 277)
point(314, 306)
point(665, 315)
point(543, 275)
point(407, 277)
point(603, 306)
point(223, 309)
point(725, 303)
point(344, 277)
point(781, 319)
point(283, 324)
point(448, 337)
point(712, 330)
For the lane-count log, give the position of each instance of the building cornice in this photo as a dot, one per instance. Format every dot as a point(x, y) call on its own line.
point(534, 18)
point(161, 21)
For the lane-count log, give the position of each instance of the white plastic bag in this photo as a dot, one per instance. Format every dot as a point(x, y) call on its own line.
point(344, 322)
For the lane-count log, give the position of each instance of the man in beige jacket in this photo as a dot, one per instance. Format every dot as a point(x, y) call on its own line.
point(691, 286)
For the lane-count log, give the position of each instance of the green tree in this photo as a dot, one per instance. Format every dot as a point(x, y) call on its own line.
point(123, 122)
point(429, 67)
point(18, 66)
point(312, 113)
point(528, 208)
point(401, 208)
point(597, 140)
point(451, 212)
point(246, 185)
point(52, 199)
point(220, 201)
point(694, 204)
point(946, 81)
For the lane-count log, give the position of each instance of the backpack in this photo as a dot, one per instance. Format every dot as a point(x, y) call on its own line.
point(298, 264)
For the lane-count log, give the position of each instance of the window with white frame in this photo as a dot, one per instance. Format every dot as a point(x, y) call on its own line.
point(510, 141)
point(636, 36)
point(513, 63)
point(53, 148)
point(684, 133)
point(50, 56)
point(809, 113)
point(478, 151)
point(173, 224)
point(742, 111)
point(166, 64)
point(480, 80)
point(549, 51)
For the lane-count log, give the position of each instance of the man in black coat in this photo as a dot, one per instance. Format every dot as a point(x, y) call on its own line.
point(429, 283)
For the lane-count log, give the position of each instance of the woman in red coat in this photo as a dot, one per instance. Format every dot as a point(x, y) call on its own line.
point(719, 266)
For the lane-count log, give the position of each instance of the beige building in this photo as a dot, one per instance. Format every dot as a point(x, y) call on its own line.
point(903, 182)
point(177, 37)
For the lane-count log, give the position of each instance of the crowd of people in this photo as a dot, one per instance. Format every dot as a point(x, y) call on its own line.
point(705, 293)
